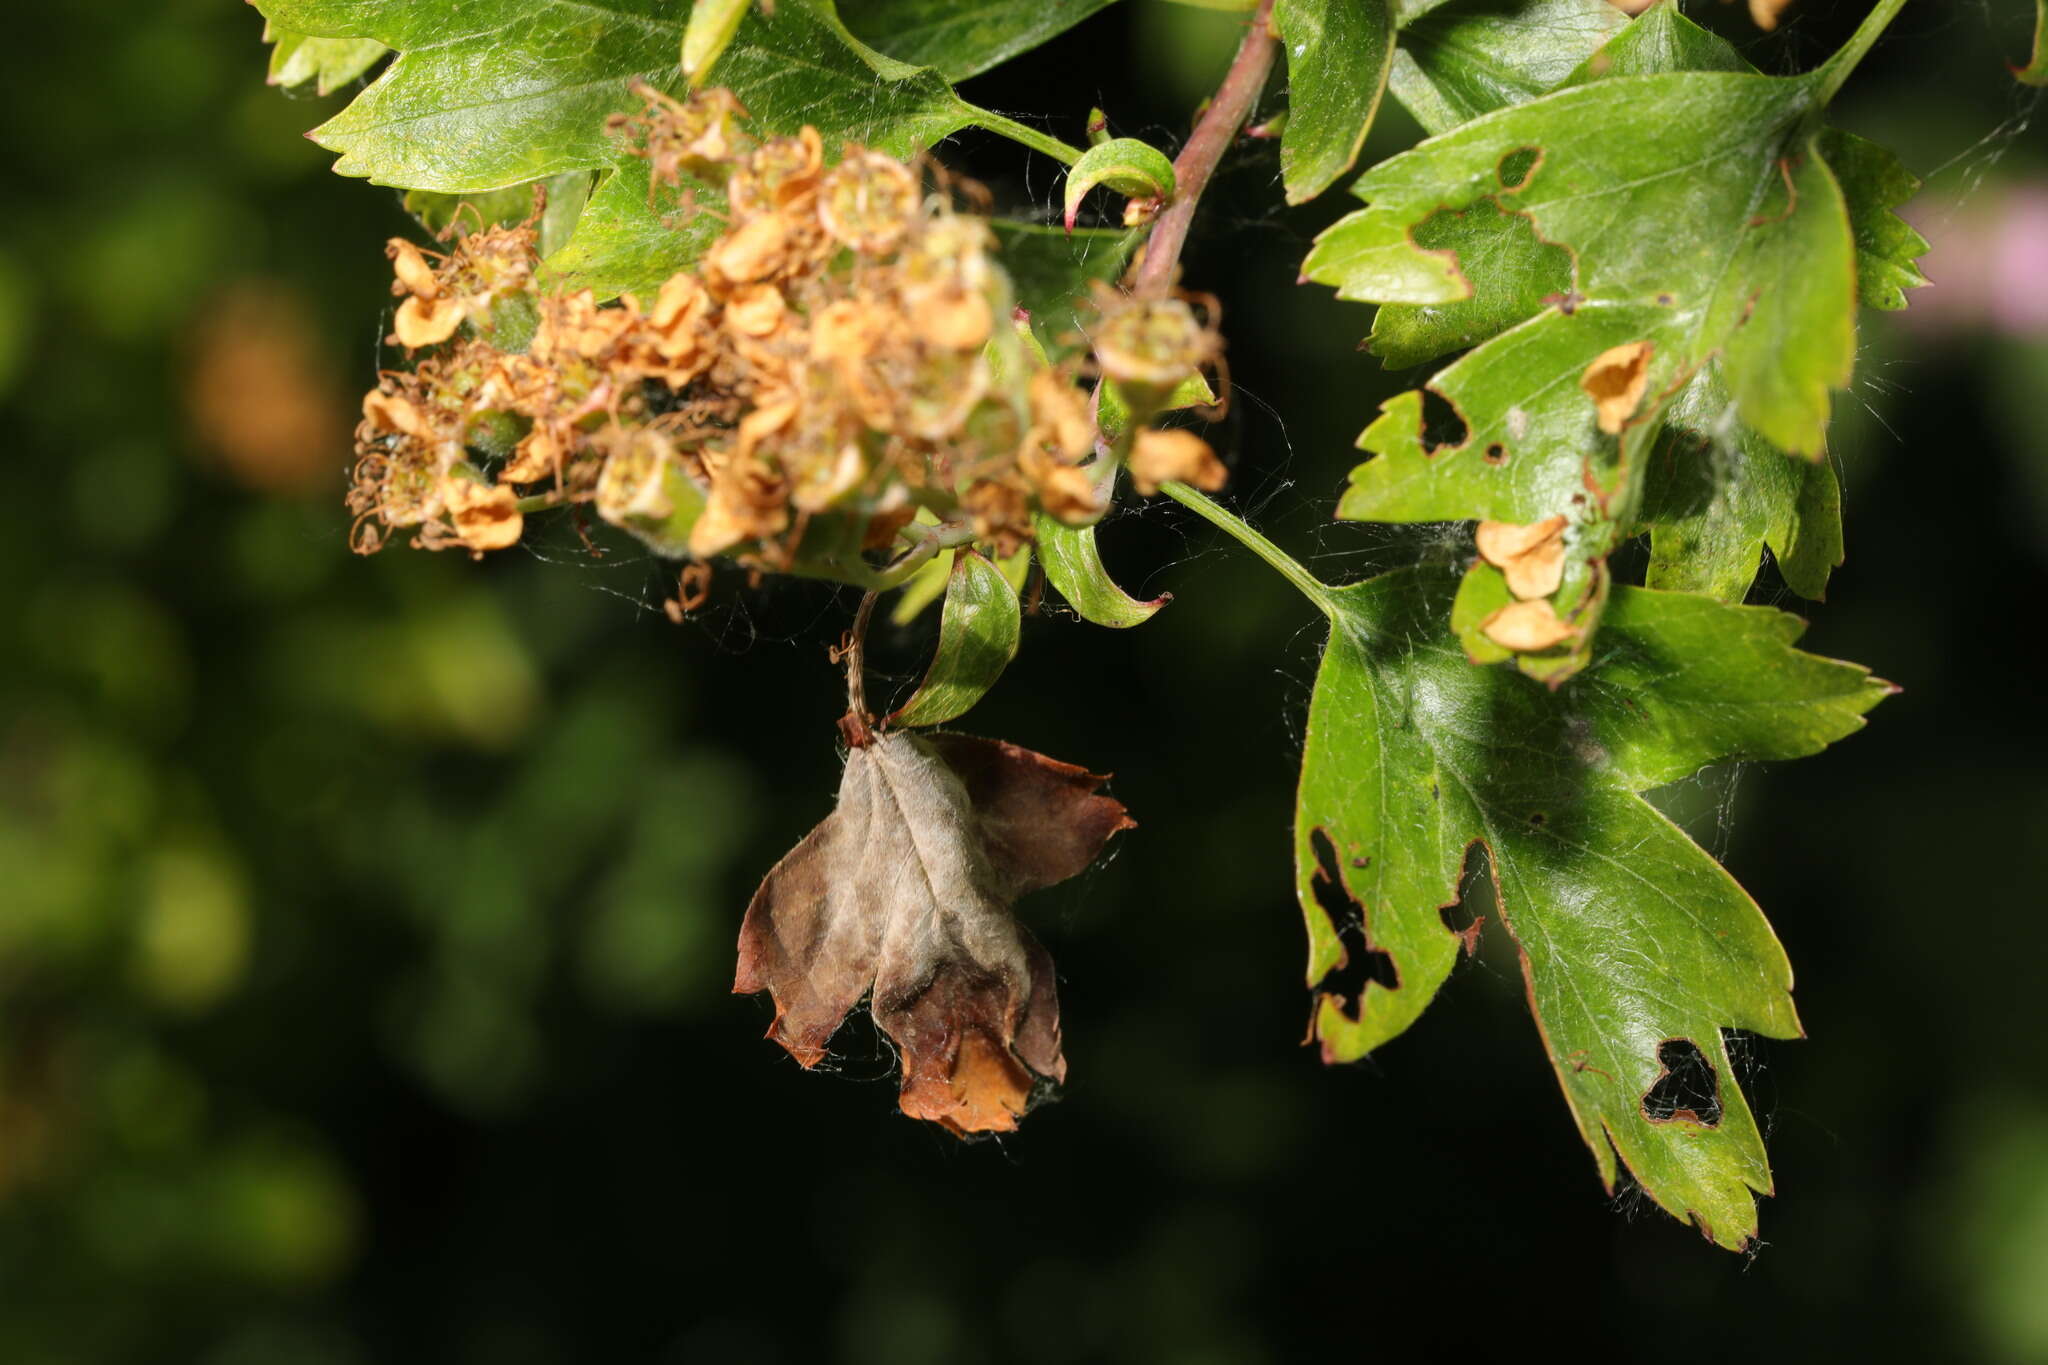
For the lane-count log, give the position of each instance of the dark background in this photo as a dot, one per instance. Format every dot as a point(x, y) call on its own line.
point(366, 925)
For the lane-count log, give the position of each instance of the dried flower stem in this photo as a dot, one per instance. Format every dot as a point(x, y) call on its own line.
point(1213, 135)
point(857, 724)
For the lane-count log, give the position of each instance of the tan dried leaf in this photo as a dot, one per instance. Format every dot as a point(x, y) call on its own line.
point(902, 895)
point(1174, 456)
point(1615, 382)
point(1531, 557)
point(1527, 627)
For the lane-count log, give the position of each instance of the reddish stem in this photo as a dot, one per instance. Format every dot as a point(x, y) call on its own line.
point(1197, 161)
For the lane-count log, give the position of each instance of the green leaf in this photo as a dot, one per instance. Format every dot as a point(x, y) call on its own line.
point(1050, 273)
point(1337, 57)
point(1074, 566)
point(1459, 60)
point(329, 63)
point(978, 632)
point(1887, 246)
point(626, 243)
point(1716, 494)
point(709, 32)
point(2035, 72)
point(962, 38)
point(1134, 169)
point(488, 93)
point(1630, 935)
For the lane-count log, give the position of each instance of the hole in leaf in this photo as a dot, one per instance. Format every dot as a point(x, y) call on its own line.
point(1537, 818)
point(1362, 962)
point(1462, 920)
point(1441, 423)
point(1688, 1088)
point(1496, 453)
point(1517, 166)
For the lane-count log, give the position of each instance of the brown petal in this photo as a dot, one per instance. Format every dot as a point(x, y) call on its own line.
point(423, 322)
point(1181, 456)
point(412, 269)
point(486, 515)
point(1615, 382)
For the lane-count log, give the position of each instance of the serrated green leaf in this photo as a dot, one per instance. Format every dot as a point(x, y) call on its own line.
point(1134, 169)
point(487, 93)
point(1074, 565)
point(1514, 275)
point(1723, 230)
point(1458, 60)
point(328, 63)
point(1887, 246)
point(962, 38)
point(1337, 57)
point(1631, 936)
point(1716, 494)
point(978, 632)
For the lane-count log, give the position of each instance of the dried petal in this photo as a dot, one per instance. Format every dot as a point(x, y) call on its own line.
point(426, 322)
point(1615, 382)
point(1174, 456)
point(755, 310)
point(486, 515)
point(1527, 627)
point(1531, 557)
point(415, 276)
point(1765, 13)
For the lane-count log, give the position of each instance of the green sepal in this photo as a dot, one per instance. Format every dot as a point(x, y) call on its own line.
point(978, 633)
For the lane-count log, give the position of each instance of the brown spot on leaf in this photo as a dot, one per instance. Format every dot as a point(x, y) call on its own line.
point(1528, 627)
point(1615, 382)
point(903, 895)
point(1531, 557)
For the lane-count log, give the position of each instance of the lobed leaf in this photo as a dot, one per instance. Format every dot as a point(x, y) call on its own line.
point(1632, 938)
point(1338, 53)
point(297, 59)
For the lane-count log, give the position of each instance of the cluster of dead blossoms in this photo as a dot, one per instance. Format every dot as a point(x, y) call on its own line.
point(843, 355)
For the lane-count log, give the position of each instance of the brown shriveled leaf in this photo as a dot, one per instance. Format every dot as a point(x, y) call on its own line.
point(902, 895)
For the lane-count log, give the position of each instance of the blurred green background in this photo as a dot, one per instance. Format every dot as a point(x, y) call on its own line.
point(366, 925)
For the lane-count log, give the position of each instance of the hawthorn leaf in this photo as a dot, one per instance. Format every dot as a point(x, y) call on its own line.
point(1875, 182)
point(1716, 494)
point(1637, 948)
point(488, 93)
point(1338, 53)
point(1051, 273)
point(1074, 566)
point(1137, 170)
point(2035, 72)
point(297, 59)
point(1458, 60)
point(978, 631)
point(902, 896)
point(705, 38)
point(627, 242)
point(962, 38)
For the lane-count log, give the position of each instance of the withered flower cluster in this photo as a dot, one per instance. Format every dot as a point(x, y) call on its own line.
point(843, 355)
